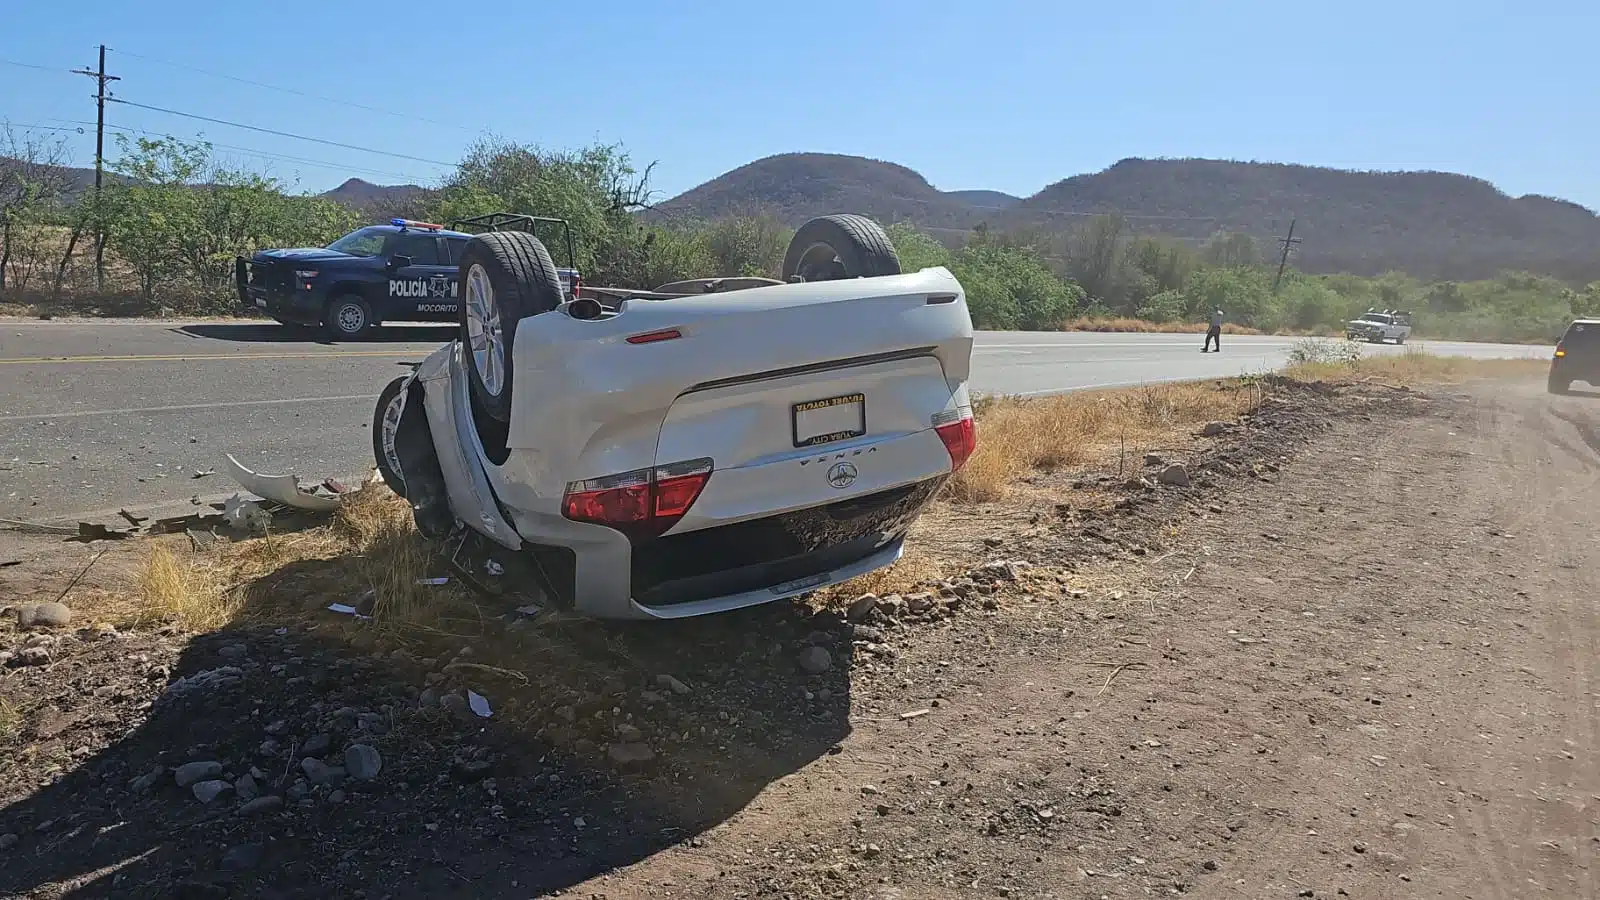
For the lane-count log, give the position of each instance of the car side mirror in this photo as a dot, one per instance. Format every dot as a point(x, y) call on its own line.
point(399, 262)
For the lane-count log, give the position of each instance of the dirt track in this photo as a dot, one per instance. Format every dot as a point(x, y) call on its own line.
point(1362, 667)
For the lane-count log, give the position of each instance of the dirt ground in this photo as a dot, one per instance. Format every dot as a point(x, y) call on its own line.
point(1357, 657)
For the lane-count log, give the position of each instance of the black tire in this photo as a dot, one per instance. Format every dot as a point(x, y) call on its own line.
point(523, 282)
point(348, 318)
point(834, 247)
point(1398, 341)
point(383, 437)
point(1559, 385)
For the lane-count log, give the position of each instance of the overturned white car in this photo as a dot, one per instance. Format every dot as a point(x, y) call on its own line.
point(706, 446)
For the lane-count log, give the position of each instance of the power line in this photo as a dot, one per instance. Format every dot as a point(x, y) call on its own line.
point(298, 137)
point(298, 93)
point(282, 157)
point(23, 65)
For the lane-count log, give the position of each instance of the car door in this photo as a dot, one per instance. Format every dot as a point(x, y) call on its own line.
point(425, 288)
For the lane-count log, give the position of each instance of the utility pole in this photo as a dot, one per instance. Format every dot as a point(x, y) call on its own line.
point(1288, 244)
point(101, 78)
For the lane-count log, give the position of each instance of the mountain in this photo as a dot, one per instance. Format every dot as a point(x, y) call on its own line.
point(1431, 224)
point(797, 186)
point(377, 198)
point(985, 199)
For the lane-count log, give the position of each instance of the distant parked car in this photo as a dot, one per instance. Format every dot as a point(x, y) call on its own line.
point(404, 271)
point(1377, 326)
point(1577, 357)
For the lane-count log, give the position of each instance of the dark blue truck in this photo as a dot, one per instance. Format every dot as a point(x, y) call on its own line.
point(404, 271)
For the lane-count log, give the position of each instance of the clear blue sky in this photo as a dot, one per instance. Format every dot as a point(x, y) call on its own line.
point(998, 94)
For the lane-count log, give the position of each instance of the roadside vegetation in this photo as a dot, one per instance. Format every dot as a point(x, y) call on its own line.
point(174, 214)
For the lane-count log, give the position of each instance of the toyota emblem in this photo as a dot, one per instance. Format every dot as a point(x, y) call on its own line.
point(842, 475)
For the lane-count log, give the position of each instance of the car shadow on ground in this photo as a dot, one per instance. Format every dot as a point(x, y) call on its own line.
point(605, 744)
point(273, 333)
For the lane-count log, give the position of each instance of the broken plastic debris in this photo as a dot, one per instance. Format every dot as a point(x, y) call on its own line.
point(203, 473)
point(479, 704)
point(493, 568)
point(245, 515)
point(442, 579)
point(530, 610)
point(345, 609)
point(283, 489)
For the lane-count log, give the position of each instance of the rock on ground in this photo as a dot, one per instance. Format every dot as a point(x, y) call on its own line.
point(862, 608)
point(191, 772)
point(630, 754)
point(207, 791)
point(815, 660)
point(362, 761)
point(44, 615)
point(261, 805)
point(1176, 475)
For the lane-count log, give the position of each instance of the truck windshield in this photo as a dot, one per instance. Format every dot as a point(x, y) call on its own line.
point(361, 242)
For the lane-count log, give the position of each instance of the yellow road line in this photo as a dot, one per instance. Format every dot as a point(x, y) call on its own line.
point(186, 357)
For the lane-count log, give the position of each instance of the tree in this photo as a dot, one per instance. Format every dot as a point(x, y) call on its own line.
point(595, 189)
point(145, 211)
point(32, 185)
point(917, 249)
point(1230, 250)
point(1094, 254)
point(1010, 287)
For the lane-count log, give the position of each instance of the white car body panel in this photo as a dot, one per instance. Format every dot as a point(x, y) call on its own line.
point(588, 404)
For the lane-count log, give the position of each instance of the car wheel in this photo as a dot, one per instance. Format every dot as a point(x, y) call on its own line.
point(505, 277)
point(348, 318)
point(1398, 341)
point(834, 247)
point(385, 425)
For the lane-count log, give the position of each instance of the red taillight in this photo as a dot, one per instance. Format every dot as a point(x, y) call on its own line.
point(642, 503)
point(959, 433)
point(651, 337)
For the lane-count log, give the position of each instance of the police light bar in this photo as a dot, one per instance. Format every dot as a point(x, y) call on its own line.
point(407, 223)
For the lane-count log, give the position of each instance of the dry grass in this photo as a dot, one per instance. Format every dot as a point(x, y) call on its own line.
point(1018, 436)
point(370, 549)
point(176, 589)
point(1124, 324)
point(10, 719)
point(1415, 366)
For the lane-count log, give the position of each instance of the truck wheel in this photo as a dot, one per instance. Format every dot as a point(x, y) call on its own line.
point(834, 247)
point(505, 277)
point(1559, 385)
point(385, 426)
point(1399, 340)
point(348, 318)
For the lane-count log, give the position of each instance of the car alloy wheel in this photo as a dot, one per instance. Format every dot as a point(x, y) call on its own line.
point(485, 337)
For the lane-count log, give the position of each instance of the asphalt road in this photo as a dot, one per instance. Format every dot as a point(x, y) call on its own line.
point(104, 414)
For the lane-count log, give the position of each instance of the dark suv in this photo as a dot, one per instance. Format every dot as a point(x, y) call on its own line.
point(404, 271)
point(1577, 357)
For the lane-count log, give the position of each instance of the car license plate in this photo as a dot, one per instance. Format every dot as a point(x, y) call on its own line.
point(832, 419)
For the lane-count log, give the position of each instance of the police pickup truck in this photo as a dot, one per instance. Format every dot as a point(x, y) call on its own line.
point(404, 271)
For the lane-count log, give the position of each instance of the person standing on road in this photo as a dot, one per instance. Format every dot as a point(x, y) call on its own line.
point(1214, 333)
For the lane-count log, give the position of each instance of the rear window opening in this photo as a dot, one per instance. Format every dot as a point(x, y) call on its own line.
point(1582, 334)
